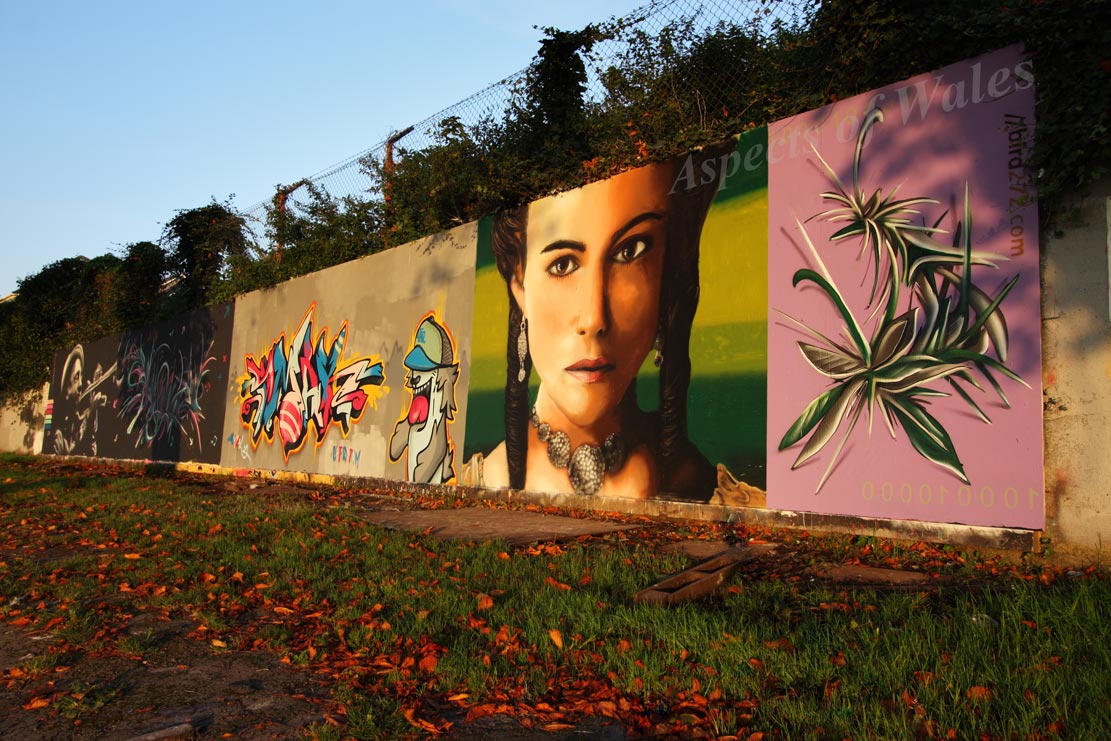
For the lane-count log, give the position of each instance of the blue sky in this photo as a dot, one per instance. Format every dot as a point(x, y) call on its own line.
point(113, 115)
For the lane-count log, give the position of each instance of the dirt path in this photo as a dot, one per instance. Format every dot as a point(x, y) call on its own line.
point(180, 687)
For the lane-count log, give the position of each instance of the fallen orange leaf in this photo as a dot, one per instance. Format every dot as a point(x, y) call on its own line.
point(132, 556)
point(218, 643)
point(551, 581)
point(557, 637)
point(411, 716)
point(427, 664)
point(979, 693)
point(36, 703)
point(485, 602)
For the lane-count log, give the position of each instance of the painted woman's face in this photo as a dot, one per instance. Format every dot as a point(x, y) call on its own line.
point(591, 289)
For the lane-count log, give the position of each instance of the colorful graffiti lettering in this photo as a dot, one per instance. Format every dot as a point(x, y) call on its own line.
point(239, 443)
point(344, 454)
point(422, 429)
point(161, 386)
point(291, 386)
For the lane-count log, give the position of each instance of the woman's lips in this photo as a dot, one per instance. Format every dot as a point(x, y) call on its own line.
point(590, 370)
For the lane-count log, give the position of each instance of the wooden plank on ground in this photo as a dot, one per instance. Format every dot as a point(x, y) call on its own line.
point(700, 580)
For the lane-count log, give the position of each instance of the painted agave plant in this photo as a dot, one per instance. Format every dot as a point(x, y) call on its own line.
point(944, 329)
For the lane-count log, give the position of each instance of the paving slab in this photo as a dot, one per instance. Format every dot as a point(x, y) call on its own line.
point(700, 550)
point(872, 575)
point(473, 523)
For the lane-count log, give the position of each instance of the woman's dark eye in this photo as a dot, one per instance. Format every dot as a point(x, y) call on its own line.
point(563, 266)
point(632, 249)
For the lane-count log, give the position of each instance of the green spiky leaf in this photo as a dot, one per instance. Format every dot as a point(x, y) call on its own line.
point(810, 416)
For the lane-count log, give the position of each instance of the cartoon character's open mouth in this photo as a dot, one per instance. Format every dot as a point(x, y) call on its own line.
point(422, 397)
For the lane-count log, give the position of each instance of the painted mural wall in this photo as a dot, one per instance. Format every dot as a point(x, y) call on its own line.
point(629, 373)
point(905, 333)
point(360, 369)
point(837, 313)
point(154, 393)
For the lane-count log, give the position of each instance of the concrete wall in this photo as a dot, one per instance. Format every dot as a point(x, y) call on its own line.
point(1077, 358)
point(21, 424)
point(380, 367)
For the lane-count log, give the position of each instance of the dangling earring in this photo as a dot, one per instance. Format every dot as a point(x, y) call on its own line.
point(658, 345)
point(522, 350)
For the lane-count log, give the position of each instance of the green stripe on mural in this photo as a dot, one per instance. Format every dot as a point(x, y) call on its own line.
point(484, 256)
point(748, 172)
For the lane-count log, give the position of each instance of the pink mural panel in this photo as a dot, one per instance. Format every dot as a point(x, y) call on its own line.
point(882, 440)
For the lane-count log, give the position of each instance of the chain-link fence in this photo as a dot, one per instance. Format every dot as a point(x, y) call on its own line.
point(618, 41)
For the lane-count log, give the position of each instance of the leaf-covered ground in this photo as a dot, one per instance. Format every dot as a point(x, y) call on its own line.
point(135, 603)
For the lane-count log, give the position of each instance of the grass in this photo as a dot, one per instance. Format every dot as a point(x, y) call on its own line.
point(416, 632)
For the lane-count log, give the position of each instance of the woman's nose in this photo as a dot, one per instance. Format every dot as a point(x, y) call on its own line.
point(594, 303)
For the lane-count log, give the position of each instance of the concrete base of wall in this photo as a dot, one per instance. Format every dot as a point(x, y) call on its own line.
point(969, 536)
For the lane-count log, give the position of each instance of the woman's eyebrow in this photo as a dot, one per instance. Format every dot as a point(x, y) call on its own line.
point(564, 244)
point(646, 216)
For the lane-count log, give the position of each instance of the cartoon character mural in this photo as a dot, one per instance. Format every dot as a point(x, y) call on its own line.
point(297, 387)
point(422, 432)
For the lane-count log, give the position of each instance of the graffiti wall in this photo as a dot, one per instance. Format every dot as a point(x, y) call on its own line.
point(357, 369)
point(837, 313)
point(154, 393)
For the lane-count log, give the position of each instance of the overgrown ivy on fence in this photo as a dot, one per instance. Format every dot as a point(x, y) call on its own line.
point(577, 115)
